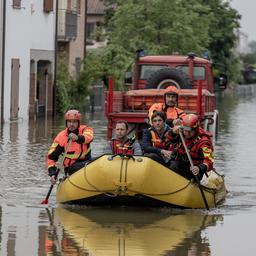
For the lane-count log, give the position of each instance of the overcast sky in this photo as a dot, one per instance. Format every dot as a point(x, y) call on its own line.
point(247, 8)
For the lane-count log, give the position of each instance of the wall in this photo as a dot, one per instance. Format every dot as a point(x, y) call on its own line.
point(1, 56)
point(26, 28)
point(77, 45)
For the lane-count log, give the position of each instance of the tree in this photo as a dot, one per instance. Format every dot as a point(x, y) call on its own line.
point(63, 86)
point(159, 26)
point(222, 37)
point(164, 27)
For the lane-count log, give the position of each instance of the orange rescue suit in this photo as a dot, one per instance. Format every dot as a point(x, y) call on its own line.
point(75, 151)
point(172, 113)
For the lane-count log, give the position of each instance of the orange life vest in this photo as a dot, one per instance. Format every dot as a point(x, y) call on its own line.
point(172, 113)
point(157, 141)
point(75, 151)
point(122, 148)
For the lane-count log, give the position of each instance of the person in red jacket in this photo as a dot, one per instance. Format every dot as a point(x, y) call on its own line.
point(199, 145)
point(73, 142)
point(174, 114)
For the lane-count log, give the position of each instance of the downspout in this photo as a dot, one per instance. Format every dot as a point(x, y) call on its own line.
point(55, 58)
point(3, 62)
point(85, 28)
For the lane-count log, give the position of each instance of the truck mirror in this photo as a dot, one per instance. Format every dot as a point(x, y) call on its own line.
point(128, 77)
point(221, 82)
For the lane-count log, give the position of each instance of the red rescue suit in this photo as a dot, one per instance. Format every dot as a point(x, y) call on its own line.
point(200, 149)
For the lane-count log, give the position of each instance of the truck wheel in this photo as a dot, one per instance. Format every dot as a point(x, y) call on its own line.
point(165, 77)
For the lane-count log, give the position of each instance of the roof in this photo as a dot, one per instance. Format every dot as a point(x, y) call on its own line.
point(95, 7)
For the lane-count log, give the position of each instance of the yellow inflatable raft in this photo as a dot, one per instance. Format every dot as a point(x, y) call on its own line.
point(137, 180)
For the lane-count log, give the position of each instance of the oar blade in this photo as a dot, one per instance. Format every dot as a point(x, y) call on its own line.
point(45, 201)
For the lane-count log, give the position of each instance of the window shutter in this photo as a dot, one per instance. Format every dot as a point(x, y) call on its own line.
point(48, 5)
point(16, 4)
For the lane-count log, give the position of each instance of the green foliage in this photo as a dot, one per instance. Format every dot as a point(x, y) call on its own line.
point(63, 86)
point(161, 27)
point(222, 37)
point(164, 27)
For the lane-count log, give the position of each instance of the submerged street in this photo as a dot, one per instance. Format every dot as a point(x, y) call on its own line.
point(29, 228)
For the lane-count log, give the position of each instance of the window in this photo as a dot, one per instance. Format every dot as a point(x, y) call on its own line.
point(147, 70)
point(78, 63)
point(198, 74)
point(48, 5)
point(90, 30)
point(16, 4)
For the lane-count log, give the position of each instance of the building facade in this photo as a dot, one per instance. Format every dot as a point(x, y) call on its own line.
point(28, 57)
point(71, 33)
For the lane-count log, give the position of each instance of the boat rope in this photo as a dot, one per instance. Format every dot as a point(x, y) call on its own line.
point(110, 193)
point(161, 194)
point(121, 169)
point(116, 192)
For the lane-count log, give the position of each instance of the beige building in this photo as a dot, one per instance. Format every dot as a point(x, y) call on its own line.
point(95, 18)
point(71, 33)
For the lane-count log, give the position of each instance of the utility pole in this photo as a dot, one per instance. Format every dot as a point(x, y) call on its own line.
point(85, 27)
point(3, 24)
point(55, 58)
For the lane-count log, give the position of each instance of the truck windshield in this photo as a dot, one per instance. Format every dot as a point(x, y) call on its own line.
point(198, 73)
point(147, 70)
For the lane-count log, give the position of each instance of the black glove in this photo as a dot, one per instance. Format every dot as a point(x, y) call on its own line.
point(202, 170)
point(52, 171)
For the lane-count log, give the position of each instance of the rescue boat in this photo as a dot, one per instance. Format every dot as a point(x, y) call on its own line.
point(98, 231)
point(138, 180)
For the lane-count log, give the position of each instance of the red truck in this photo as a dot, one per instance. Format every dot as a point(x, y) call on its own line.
point(193, 76)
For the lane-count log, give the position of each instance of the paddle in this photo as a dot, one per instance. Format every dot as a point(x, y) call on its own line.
point(192, 165)
point(45, 201)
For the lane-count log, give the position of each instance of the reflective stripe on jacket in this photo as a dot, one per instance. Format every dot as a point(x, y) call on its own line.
point(75, 151)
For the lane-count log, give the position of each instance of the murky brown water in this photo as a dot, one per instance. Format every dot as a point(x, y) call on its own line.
point(27, 228)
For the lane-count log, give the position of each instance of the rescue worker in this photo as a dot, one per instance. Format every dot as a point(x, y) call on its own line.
point(174, 114)
point(154, 139)
point(199, 144)
point(122, 144)
point(73, 142)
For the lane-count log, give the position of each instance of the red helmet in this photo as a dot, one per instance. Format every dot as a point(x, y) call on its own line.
point(190, 122)
point(73, 114)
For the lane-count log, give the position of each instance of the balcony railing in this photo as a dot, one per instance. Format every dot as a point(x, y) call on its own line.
point(67, 25)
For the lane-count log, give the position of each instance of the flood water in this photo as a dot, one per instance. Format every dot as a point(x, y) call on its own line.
point(29, 228)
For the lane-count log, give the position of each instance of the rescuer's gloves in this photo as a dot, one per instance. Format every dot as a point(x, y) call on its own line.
point(52, 171)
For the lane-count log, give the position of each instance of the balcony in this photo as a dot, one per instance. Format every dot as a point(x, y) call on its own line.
point(67, 25)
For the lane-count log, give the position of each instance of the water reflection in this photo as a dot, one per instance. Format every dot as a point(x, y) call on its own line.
point(130, 232)
point(23, 231)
